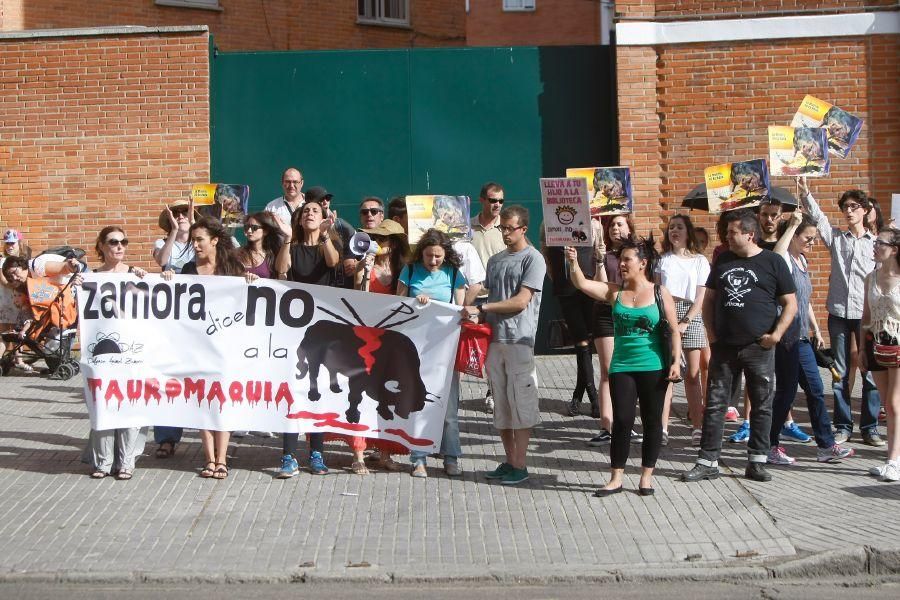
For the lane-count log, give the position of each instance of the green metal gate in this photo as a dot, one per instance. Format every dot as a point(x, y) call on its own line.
point(412, 121)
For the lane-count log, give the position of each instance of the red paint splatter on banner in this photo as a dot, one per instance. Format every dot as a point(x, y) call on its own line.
point(371, 337)
point(412, 440)
point(342, 425)
point(312, 416)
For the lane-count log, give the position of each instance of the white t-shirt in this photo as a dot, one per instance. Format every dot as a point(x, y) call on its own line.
point(471, 267)
point(682, 276)
point(181, 254)
point(279, 206)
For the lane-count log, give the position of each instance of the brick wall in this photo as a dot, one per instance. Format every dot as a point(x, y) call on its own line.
point(100, 130)
point(685, 107)
point(254, 24)
point(729, 8)
point(552, 23)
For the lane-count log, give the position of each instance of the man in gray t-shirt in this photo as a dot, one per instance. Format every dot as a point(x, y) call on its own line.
point(515, 277)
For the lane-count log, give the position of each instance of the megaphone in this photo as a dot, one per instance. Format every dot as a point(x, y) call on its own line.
point(361, 244)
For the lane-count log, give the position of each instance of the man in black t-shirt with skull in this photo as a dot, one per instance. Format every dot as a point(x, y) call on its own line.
point(743, 324)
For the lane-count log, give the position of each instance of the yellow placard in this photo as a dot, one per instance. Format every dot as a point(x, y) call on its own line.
point(204, 194)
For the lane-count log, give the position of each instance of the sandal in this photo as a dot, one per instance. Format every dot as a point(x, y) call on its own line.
point(98, 474)
point(165, 450)
point(25, 367)
point(359, 468)
point(207, 471)
point(221, 471)
point(124, 475)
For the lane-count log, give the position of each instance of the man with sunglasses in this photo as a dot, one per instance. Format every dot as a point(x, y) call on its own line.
point(852, 258)
point(285, 206)
point(371, 212)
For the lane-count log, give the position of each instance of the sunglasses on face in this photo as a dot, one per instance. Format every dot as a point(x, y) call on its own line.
point(884, 243)
point(250, 228)
point(851, 206)
point(179, 211)
point(370, 211)
point(495, 200)
point(117, 242)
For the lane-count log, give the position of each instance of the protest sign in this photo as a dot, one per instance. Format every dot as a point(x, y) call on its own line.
point(797, 151)
point(224, 201)
point(895, 209)
point(567, 211)
point(449, 214)
point(736, 185)
point(842, 127)
point(216, 353)
point(609, 189)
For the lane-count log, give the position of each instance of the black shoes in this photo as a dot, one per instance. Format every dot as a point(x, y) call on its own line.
point(699, 473)
point(645, 491)
point(757, 472)
point(573, 406)
point(603, 492)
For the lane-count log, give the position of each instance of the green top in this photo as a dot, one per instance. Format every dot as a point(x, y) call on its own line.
point(638, 341)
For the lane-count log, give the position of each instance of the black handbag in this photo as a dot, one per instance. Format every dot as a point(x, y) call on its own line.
point(664, 329)
point(558, 337)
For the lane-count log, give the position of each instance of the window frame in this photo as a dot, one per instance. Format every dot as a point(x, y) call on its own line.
point(520, 5)
point(380, 19)
point(213, 5)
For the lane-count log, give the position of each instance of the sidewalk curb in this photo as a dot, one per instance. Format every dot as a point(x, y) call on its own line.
point(855, 561)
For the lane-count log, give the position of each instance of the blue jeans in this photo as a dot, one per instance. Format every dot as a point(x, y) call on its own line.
point(450, 444)
point(840, 331)
point(794, 366)
point(726, 364)
point(163, 434)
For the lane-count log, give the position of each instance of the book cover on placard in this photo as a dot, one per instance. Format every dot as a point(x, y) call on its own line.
point(567, 211)
point(797, 151)
point(736, 185)
point(225, 201)
point(842, 127)
point(609, 187)
point(449, 214)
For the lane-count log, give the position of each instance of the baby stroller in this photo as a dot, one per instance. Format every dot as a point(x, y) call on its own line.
point(50, 334)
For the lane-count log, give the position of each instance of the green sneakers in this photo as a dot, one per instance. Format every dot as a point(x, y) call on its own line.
point(500, 472)
point(514, 476)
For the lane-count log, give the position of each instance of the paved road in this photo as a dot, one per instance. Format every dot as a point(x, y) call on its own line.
point(167, 523)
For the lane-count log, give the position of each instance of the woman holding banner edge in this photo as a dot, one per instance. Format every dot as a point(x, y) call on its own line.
point(213, 255)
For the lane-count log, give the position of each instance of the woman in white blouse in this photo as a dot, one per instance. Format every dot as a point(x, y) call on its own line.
point(683, 270)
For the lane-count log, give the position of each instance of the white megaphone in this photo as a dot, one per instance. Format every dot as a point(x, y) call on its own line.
point(361, 244)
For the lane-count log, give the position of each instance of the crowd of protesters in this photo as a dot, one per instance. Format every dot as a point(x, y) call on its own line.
point(655, 312)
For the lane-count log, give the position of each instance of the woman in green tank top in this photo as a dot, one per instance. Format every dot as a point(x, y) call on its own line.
point(637, 370)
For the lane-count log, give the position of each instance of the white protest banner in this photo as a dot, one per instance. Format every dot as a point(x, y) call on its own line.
point(567, 211)
point(217, 353)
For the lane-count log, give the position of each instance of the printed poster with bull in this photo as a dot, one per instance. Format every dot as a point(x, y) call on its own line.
point(218, 353)
point(567, 211)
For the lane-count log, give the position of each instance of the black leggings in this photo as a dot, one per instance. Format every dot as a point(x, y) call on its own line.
point(626, 389)
point(289, 443)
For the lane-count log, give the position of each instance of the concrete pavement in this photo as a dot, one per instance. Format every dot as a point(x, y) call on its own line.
point(167, 524)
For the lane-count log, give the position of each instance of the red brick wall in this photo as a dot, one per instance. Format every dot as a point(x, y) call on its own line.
point(255, 24)
point(552, 23)
point(99, 131)
point(726, 7)
point(685, 107)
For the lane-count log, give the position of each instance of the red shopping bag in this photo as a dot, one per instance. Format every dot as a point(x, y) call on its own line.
point(472, 350)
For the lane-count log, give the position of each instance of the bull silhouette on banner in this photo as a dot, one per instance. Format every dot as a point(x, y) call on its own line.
point(382, 363)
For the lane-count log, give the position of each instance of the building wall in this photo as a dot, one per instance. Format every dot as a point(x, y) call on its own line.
point(731, 8)
point(100, 130)
point(552, 23)
point(683, 107)
point(254, 24)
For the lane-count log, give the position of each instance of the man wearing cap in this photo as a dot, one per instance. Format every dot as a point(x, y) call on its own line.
point(284, 206)
point(344, 230)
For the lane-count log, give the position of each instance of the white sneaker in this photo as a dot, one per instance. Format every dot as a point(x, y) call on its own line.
point(696, 437)
point(777, 456)
point(891, 472)
point(879, 470)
